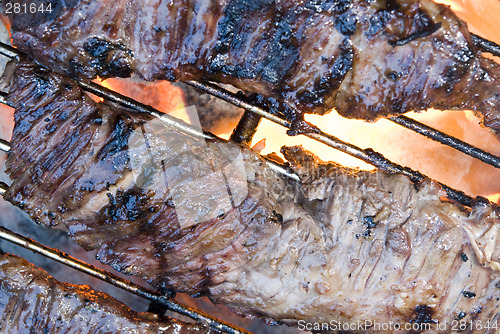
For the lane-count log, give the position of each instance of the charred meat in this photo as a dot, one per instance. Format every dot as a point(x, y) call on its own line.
point(32, 301)
point(210, 217)
point(367, 59)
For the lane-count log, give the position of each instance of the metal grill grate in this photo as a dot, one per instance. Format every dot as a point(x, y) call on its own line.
point(243, 134)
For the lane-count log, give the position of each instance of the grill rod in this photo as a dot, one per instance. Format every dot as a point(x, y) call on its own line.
point(445, 139)
point(105, 276)
point(485, 45)
point(367, 155)
point(404, 121)
point(167, 119)
point(409, 123)
point(4, 146)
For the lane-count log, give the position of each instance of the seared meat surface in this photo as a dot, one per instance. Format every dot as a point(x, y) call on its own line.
point(32, 301)
point(366, 58)
point(210, 217)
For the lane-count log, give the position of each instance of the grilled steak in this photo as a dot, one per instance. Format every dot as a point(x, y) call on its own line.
point(366, 58)
point(32, 301)
point(210, 217)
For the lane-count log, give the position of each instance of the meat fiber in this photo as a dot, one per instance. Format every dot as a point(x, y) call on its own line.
point(366, 58)
point(210, 217)
point(32, 301)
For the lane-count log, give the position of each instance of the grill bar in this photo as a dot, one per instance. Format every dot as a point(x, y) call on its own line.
point(72, 262)
point(411, 124)
point(4, 145)
point(112, 96)
point(485, 45)
point(137, 106)
point(447, 140)
point(246, 128)
point(9, 51)
point(366, 155)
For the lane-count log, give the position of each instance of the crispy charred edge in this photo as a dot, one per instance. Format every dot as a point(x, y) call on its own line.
point(108, 58)
point(284, 54)
point(284, 49)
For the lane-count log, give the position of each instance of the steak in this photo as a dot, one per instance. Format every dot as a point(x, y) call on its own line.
point(32, 301)
point(209, 217)
point(365, 58)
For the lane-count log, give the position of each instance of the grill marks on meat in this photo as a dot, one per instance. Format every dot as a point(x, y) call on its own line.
point(367, 59)
point(340, 245)
point(31, 301)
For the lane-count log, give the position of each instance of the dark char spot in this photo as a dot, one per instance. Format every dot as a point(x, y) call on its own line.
point(51, 128)
point(394, 76)
point(346, 23)
point(233, 13)
point(468, 294)
point(370, 225)
point(236, 30)
point(423, 315)
point(342, 64)
point(110, 59)
point(378, 22)
point(278, 216)
point(118, 141)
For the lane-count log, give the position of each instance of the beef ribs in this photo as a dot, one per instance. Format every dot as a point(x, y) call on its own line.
point(209, 217)
point(32, 301)
point(367, 59)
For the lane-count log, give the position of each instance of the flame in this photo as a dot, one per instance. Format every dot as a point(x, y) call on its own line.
point(161, 95)
point(481, 16)
point(495, 198)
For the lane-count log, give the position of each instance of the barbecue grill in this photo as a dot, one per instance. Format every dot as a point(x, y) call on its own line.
point(244, 133)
